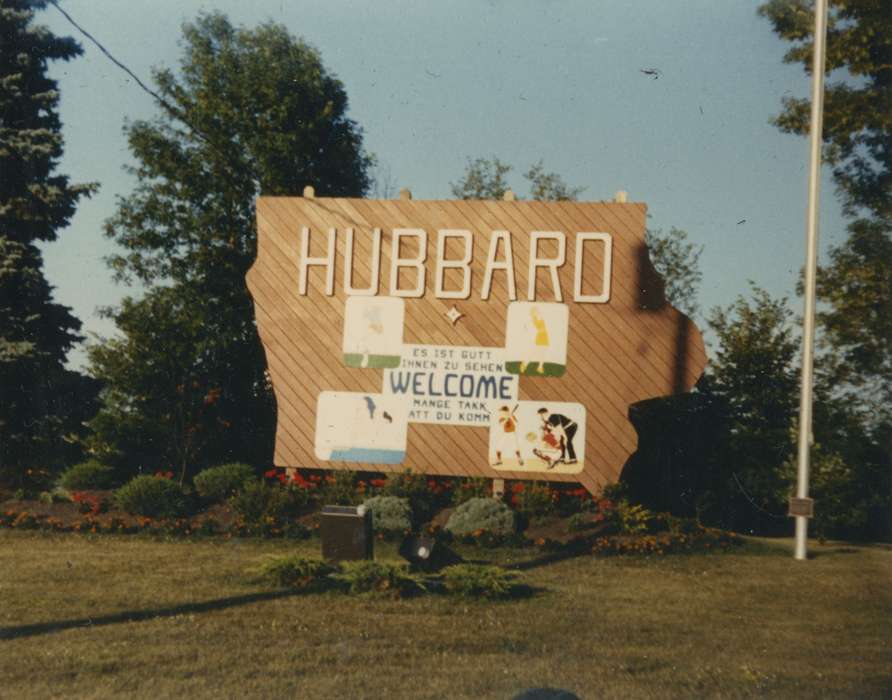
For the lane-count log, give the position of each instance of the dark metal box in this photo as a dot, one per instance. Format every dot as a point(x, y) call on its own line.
point(346, 533)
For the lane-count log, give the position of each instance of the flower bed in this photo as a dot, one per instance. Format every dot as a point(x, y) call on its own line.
point(549, 517)
point(122, 524)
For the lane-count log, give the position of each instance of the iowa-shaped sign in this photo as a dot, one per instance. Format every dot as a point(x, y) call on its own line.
point(466, 338)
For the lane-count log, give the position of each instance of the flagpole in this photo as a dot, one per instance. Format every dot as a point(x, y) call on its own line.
point(811, 256)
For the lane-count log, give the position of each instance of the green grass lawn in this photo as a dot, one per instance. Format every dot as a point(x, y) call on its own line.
point(113, 616)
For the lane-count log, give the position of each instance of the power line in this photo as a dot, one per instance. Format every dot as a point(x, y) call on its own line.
point(164, 103)
point(750, 499)
point(171, 109)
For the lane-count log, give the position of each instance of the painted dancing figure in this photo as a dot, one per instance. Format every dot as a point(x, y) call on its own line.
point(541, 341)
point(507, 436)
point(568, 427)
point(376, 327)
point(551, 447)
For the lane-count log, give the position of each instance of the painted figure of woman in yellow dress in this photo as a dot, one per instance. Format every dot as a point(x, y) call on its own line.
point(541, 341)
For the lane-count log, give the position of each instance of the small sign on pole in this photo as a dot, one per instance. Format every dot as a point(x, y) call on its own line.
point(801, 507)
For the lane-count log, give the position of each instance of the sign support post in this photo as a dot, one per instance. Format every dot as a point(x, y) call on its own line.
point(811, 247)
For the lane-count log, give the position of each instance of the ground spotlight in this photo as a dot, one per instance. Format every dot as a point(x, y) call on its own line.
point(424, 552)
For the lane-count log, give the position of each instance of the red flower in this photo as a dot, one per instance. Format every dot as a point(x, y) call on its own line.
point(299, 481)
point(378, 483)
point(517, 487)
point(270, 473)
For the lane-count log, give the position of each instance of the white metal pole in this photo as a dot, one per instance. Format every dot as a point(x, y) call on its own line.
point(811, 256)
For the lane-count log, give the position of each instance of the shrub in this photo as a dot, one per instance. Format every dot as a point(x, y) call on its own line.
point(151, 496)
point(484, 514)
point(534, 500)
point(379, 577)
point(89, 475)
point(296, 572)
point(219, 483)
point(574, 500)
point(89, 502)
point(477, 581)
point(390, 513)
point(580, 521)
point(475, 487)
point(257, 501)
point(423, 499)
point(28, 482)
point(666, 522)
point(615, 492)
point(50, 497)
point(339, 489)
point(630, 519)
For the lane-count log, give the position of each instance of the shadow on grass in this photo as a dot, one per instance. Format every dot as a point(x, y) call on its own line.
point(783, 547)
point(520, 591)
point(835, 550)
point(142, 615)
point(550, 558)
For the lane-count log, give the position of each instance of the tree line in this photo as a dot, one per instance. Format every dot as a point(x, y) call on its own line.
point(254, 111)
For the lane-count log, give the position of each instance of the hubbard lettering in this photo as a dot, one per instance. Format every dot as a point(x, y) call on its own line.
point(408, 272)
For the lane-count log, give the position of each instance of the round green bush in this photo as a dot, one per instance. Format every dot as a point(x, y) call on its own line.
point(390, 513)
point(478, 581)
point(151, 496)
point(380, 578)
point(256, 501)
point(296, 572)
point(485, 514)
point(219, 483)
point(87, 476)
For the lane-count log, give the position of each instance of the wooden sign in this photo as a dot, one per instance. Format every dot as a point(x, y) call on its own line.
point(801, 507)
point(469, 338)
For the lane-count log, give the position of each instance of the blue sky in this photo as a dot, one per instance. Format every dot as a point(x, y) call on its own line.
point(433, 83)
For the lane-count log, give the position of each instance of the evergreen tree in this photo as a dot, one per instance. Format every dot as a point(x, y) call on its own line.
point(35, 202)
point(252, 112)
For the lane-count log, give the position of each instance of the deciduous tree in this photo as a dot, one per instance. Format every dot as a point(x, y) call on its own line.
point(678, 262)
point(251, 112)
point(486, 178)
point(857, 101)
point(856, 285)
point(483, 178)
point(754, 375)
